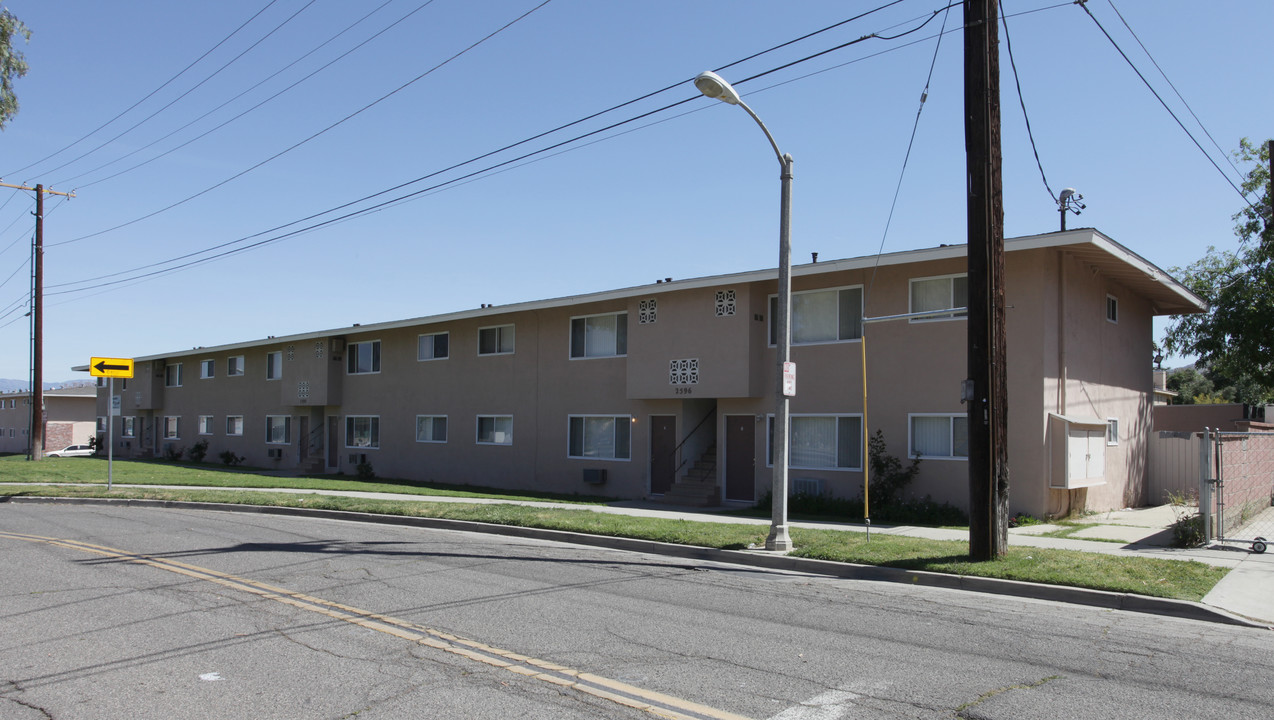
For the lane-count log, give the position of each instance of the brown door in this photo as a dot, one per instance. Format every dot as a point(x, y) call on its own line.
point(333, 458)
point(663, 442)
point(303, 437)
point(740, 457)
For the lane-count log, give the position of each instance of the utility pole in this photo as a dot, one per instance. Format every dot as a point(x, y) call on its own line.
point(988, 398)
point(35, 449)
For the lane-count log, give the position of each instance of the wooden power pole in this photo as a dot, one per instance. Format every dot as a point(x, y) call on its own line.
point(35, 435)
point(988, 399)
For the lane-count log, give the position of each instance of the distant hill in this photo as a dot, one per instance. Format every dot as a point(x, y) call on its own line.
point(14, 385)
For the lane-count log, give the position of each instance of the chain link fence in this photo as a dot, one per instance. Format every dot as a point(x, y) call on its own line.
point(1240, 508)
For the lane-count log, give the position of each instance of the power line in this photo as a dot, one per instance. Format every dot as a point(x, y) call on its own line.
point(245, 92)
point(1082, 4)
point(1224, 154)
point(289, 149)
point(436, 187)
point(150, 94)
point(433, 188)
point(1017, 82)
point(924, 95)
point(193, 88)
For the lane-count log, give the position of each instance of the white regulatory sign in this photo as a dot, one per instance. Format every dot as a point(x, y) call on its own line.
point(789, 379)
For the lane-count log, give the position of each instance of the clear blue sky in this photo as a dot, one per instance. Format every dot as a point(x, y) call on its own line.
point(684, 192)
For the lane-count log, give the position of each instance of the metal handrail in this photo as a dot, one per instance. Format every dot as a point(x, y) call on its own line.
point(678, 461)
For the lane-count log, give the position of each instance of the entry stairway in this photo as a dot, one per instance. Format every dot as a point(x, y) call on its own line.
point(698, 487)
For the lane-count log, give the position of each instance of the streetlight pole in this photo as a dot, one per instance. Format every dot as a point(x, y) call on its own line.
point(713, 86)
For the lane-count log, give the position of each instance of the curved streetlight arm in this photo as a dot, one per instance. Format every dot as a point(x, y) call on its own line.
point(777, 153)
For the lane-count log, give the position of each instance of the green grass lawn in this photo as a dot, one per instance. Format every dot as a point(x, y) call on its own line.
point(16, 468)
point(1145, 576)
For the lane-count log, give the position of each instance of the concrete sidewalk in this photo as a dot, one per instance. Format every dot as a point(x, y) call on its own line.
point(1246, 591)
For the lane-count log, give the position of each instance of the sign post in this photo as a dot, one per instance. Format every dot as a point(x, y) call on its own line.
point(111, 368)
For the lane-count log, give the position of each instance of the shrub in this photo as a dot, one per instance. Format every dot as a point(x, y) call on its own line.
point(229, 458)
point(888, 476)
point(199, 451)
point(889, 479)
point(365, 471)
point(173, 453)
point(912, 511)
point(1024, 519)
point(1187, 528)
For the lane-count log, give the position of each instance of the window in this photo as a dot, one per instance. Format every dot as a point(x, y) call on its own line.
point(172, 375)
point(495, 340)
point(205, 425)
point(599, 335)
point(234, 366)
point(101, 424)
point(431, 428)
point(363, 357)
point(172, 427)
point(822, 316)
point(274, 365)
point(822, 442)
point(432, 346)
point(207, 369)
point(940, 293)
point(1112, 309)
point(128, 427)
point(1112, 431)
point(234, 425)
point(939, 436)
point(278, 429)
point(495, 429)
point(601, 437)
point(362, 431)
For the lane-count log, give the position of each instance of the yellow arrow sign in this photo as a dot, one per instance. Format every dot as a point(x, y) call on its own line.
point(110, 367)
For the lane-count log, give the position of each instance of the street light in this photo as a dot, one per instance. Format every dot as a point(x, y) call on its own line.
point(711, 85)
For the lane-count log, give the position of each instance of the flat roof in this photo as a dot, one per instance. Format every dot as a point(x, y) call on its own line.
point(1166, 295)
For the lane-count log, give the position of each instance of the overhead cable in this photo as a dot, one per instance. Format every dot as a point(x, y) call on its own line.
point(150, 94)
point(294, 146)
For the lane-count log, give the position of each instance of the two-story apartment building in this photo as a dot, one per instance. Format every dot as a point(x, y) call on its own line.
point(620, 392)
point(68, 418)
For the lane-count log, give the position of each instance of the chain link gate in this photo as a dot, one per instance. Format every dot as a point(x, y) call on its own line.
point(1237, 492)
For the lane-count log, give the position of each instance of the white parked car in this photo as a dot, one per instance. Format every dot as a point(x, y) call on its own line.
point(72, 451)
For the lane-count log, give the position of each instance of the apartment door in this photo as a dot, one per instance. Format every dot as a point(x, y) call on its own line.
point(663, 443)
point(740, 457)
point(333, 460)
point(303, 438)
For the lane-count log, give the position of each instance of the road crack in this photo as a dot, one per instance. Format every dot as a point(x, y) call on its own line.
point(961, 711)
point(12, 686)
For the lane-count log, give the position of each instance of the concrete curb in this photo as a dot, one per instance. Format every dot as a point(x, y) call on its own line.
point(750, 558)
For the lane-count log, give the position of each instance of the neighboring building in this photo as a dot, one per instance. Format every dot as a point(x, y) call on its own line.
point(1226, 417)
point(1163, 396)
point(70, 418)
point(622, 392)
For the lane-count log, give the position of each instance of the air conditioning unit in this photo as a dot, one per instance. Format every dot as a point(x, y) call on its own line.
point(594, 476)
point(357, 458)
point(806, 486)
point(337, 345)
point(274, 453)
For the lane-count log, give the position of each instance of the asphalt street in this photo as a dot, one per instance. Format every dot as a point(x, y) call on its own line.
point(153, 613)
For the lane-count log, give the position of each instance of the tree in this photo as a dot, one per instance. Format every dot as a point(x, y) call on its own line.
point(12, 63)
point(1235, 337)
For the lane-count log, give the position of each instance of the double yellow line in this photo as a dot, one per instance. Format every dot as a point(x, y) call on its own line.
point(658, 704)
